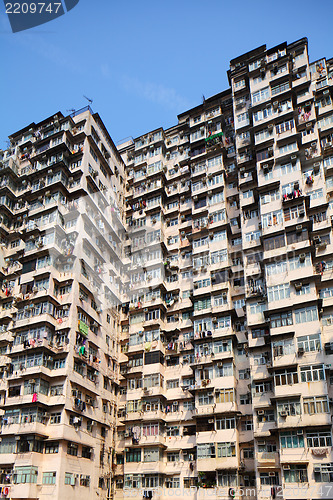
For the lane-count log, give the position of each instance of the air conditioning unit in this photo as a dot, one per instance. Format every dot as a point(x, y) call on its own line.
point(275, 104)
point(286, 467)
point(219, 364)
point(214, 319)
point(298, 287)
point(293, 157)
point(299, 432)
point(210, 420)
point(261, 412)
point(300, 351)
point(302, 257)
point(271, 474)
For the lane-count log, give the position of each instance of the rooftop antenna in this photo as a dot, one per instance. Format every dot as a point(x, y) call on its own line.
point(71, 110)
point(88, 99)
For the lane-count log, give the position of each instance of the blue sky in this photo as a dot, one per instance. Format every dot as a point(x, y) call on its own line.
point(143, 62)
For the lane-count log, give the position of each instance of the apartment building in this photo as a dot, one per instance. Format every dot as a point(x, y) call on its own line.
point(167, 305)
point(225, 373)
point(62, 183)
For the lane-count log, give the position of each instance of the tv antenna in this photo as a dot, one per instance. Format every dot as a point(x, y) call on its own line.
point(88, 99)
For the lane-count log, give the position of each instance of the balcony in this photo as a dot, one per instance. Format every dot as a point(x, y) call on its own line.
point(212, 464)
point(296, 455)
point(267, 459)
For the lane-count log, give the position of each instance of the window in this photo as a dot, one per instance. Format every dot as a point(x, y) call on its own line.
point(278, 292)
point(280, 88)
point(287, 168)
point(288, 148)
point(295, 474)
point(283, 347)
point(318, 404)
point(27, 474)
point(226, 370)
point(269, 478)
point(260, 95)
point(173, 456)
point(254, 65)
point(297, 262)
point(225, 423)
point(286, 377)
point(173, 384)
point(290, 407)
point(55, 418)
point(247, 424)
point(262, 387)
point(274, 242)
point(150, 429)
point(226, 450)
point(69, 478)
point(323, 473)
point(309, 343)
point(306, 314)
point(216, 198)
point(86, 452)
point(226, 478)
point(225, 396)
point(243, 117)
point(72, 449)
point(312, 373)
point(248, 452)
point(172, 430)
point(265, 416)
point(133, 455)
point(239, 84)
point(206, 398)
point(206, 450)
point(252, 236)
point(257, 308)
point(319, 439)
point(190, 482)
point(49, 477)
point(151, 455)
point(316, 194)
point(245, 399)
point(292, 439)
point(276, 268)
point(284, 126)
point(84, 480)
point(262, 135)
point(51, 447)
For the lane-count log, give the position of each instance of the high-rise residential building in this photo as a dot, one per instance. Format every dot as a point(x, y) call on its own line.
point(167, 305)
point(61, 228)
point(226, 334)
